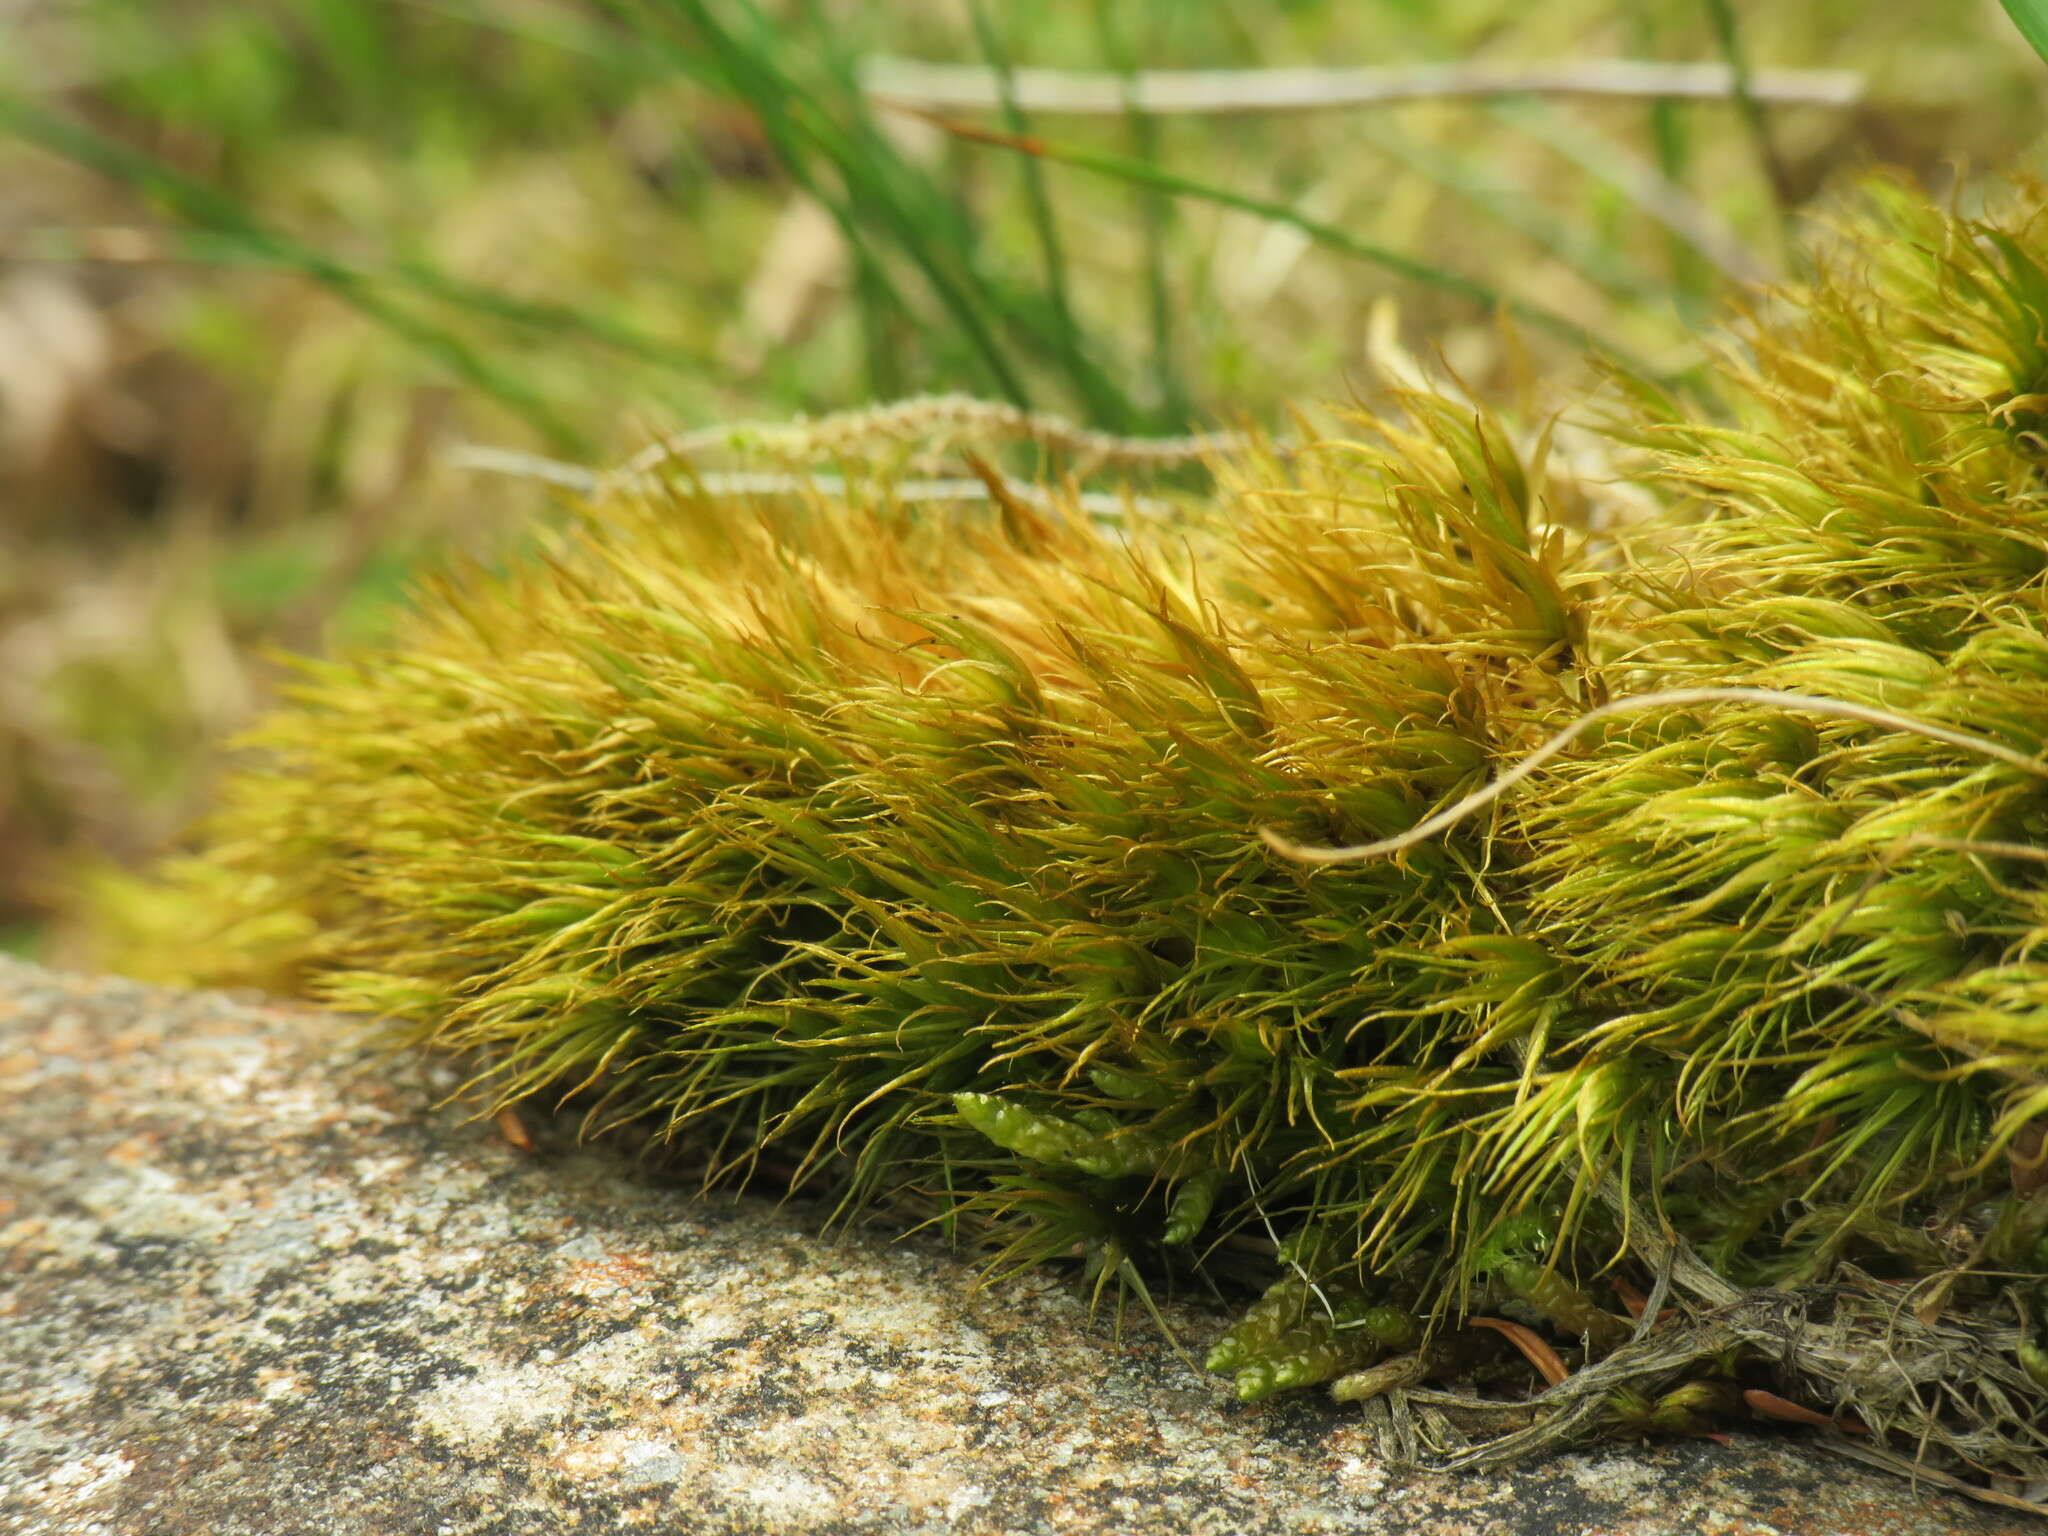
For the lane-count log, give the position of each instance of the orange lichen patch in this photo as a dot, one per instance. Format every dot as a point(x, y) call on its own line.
point(136, 1149)
point(616, 1271)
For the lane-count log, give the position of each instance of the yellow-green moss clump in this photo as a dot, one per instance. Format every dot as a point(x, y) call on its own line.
point(919, 852)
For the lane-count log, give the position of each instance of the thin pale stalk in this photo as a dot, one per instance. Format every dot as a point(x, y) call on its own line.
point(1675, 698)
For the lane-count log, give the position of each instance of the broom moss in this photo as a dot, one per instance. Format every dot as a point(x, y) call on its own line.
point(916, 854)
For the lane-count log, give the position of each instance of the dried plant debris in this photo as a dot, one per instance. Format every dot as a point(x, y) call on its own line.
point(1696, 1076)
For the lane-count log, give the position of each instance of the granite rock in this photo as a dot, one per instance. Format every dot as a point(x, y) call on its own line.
point(254, 1281)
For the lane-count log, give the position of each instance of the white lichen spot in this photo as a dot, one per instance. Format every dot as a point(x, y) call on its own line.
point(83, 1478)
point(389, 1171)
point(1361, 1476)
point(273, 1384)
point(144, 1202)
point(1611, 1477)
point(781, 1491)
point(650, 1463)
point(239, 1078)
point(967, 1496)
point(623, 1459)
point(480, 1410)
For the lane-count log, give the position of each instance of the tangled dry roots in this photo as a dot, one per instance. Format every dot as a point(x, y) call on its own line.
point(1948, 1387)
point(914, 852)
point(1909, 1387)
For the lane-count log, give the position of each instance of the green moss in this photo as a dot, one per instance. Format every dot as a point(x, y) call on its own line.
point(926, 847)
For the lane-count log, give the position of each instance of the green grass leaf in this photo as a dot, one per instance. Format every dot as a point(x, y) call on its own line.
point(1172, 183)
point(2031, 17)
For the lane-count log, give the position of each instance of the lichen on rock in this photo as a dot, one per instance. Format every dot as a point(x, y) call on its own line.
point(254, 1283)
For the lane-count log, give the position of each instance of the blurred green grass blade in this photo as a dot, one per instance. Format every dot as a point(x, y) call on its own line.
point(1415, 270)
point(743, 60)
point(1466, 178)
point(1638, 180)
point(1672, 138)
point(225, 218)
point(212, 247)
point(1728, 35)
point(355, 41)
point(1052, 255)
point(1155, 213)
point(552, 26)
point(540, 314)
point(883, 303)
point(926, 221)
point(2031, 17)
point(1020, 313)
point(826, 137)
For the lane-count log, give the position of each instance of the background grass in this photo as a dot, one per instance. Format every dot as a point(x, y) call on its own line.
point(263, 261)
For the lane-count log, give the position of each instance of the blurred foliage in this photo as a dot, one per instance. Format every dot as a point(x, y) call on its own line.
point(2031, 17)
point(262, 261)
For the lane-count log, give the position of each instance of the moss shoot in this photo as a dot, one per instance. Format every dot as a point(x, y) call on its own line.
point(917, 852)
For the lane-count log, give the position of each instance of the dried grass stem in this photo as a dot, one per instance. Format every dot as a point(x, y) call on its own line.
point(1673, 698)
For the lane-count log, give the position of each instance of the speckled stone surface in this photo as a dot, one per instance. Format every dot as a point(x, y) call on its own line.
point(248, 1285)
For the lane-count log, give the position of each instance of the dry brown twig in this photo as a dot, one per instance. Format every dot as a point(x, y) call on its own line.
point(1225, 92)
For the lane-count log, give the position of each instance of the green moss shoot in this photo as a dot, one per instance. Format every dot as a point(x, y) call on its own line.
point(918, 850)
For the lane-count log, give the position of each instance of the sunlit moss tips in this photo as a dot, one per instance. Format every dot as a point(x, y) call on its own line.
point(919, 852)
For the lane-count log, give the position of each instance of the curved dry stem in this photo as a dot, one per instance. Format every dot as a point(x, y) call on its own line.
point(1673, 698)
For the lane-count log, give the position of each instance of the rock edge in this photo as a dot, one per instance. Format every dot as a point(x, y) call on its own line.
point(253, 1282)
